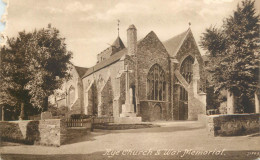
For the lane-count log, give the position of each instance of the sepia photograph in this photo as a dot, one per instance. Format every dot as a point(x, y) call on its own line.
point(129, 79)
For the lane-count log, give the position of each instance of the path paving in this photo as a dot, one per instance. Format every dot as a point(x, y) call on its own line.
point(173, 136)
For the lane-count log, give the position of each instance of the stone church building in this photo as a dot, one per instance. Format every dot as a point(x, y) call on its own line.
point(160, 80)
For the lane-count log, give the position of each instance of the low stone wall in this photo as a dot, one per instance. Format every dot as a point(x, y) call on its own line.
point(98, 120)
point(233, 125)
point(46, 132)
point(53, 132)
point(202, 118)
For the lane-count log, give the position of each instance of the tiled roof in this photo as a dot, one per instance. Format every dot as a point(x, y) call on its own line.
point(173, 45)
point(114, 58)
point(118, 43)
point(81, 70)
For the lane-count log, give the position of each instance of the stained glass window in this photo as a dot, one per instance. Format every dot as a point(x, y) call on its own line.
point(186, 68)
point(156, 83)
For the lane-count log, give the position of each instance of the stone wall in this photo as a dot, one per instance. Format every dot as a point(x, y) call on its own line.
point(195, 100)
point(233, 125)
point(98, 120)
point(149, 112)
point(151, 51)
point(46, 132)
point(100, 78)
point(62, 95)
point(106, 103)
point(53, 132)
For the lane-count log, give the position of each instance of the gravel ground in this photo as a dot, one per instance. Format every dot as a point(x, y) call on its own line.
point(173, 140)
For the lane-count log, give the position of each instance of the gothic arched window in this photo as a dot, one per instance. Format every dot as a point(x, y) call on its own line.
point(186, 68)
point(71, 95)
point(156, 83)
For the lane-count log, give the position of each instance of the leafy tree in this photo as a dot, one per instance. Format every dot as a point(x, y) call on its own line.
point(33, 65)
point(234, 54)
point(14, 72)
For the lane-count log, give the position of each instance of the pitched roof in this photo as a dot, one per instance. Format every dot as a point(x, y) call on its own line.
point(173, 44)
point(81, 70)
point(114, 58)
point(118, 43)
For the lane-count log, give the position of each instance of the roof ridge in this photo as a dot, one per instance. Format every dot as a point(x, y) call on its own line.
point(113, 58)
point(118, 43)
point(80, 70)
point(81, 67)
point(187, 32)
point(174, 44)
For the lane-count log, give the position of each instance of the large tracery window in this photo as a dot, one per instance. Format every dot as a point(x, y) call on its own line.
point(186, 68)
point(156, 84)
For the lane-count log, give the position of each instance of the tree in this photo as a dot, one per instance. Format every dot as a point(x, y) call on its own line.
point(33, 65)
point(14, 72)
point(234, 54)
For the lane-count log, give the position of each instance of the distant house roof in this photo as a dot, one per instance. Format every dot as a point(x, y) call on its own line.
point(81, 70)
point(173, 45)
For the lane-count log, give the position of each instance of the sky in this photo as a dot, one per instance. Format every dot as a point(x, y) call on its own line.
point(89, 26)
point(2, 10)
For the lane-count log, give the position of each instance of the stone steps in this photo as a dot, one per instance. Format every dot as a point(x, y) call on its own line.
point(114, 126)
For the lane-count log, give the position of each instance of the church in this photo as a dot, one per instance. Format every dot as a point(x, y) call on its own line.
point(147, 80)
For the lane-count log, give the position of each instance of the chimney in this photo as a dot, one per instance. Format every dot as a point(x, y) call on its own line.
point(132, 40)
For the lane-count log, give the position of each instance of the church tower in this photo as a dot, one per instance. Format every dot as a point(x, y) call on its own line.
point(132, 40)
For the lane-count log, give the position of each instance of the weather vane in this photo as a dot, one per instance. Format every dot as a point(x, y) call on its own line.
point(118, 21)
point(189, 24)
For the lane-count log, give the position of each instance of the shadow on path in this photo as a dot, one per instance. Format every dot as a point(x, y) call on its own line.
point(100, 132)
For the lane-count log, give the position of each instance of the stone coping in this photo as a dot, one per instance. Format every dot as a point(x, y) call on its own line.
point(17, 121)
point(241, 114)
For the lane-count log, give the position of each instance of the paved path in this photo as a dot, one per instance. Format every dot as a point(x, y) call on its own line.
point(174, 136)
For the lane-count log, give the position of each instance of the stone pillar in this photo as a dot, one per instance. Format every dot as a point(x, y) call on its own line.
point(131, 100)
point(196, 76)
point(257, 107)
point(131, 40)
point(174, 104)
point(80, 95)
point(230, 102)
point(201, 96)
point(2, 113)
point(116, 106)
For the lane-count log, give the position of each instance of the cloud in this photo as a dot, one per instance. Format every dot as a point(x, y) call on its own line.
point(217, 1)
point(54, 10)
point(78, 6)
point(120, 9)
point(145, 8)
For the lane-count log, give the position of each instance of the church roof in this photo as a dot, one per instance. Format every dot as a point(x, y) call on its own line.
point(118, 43)
point(114, 58)
point(81, 70)
point(173, 44)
